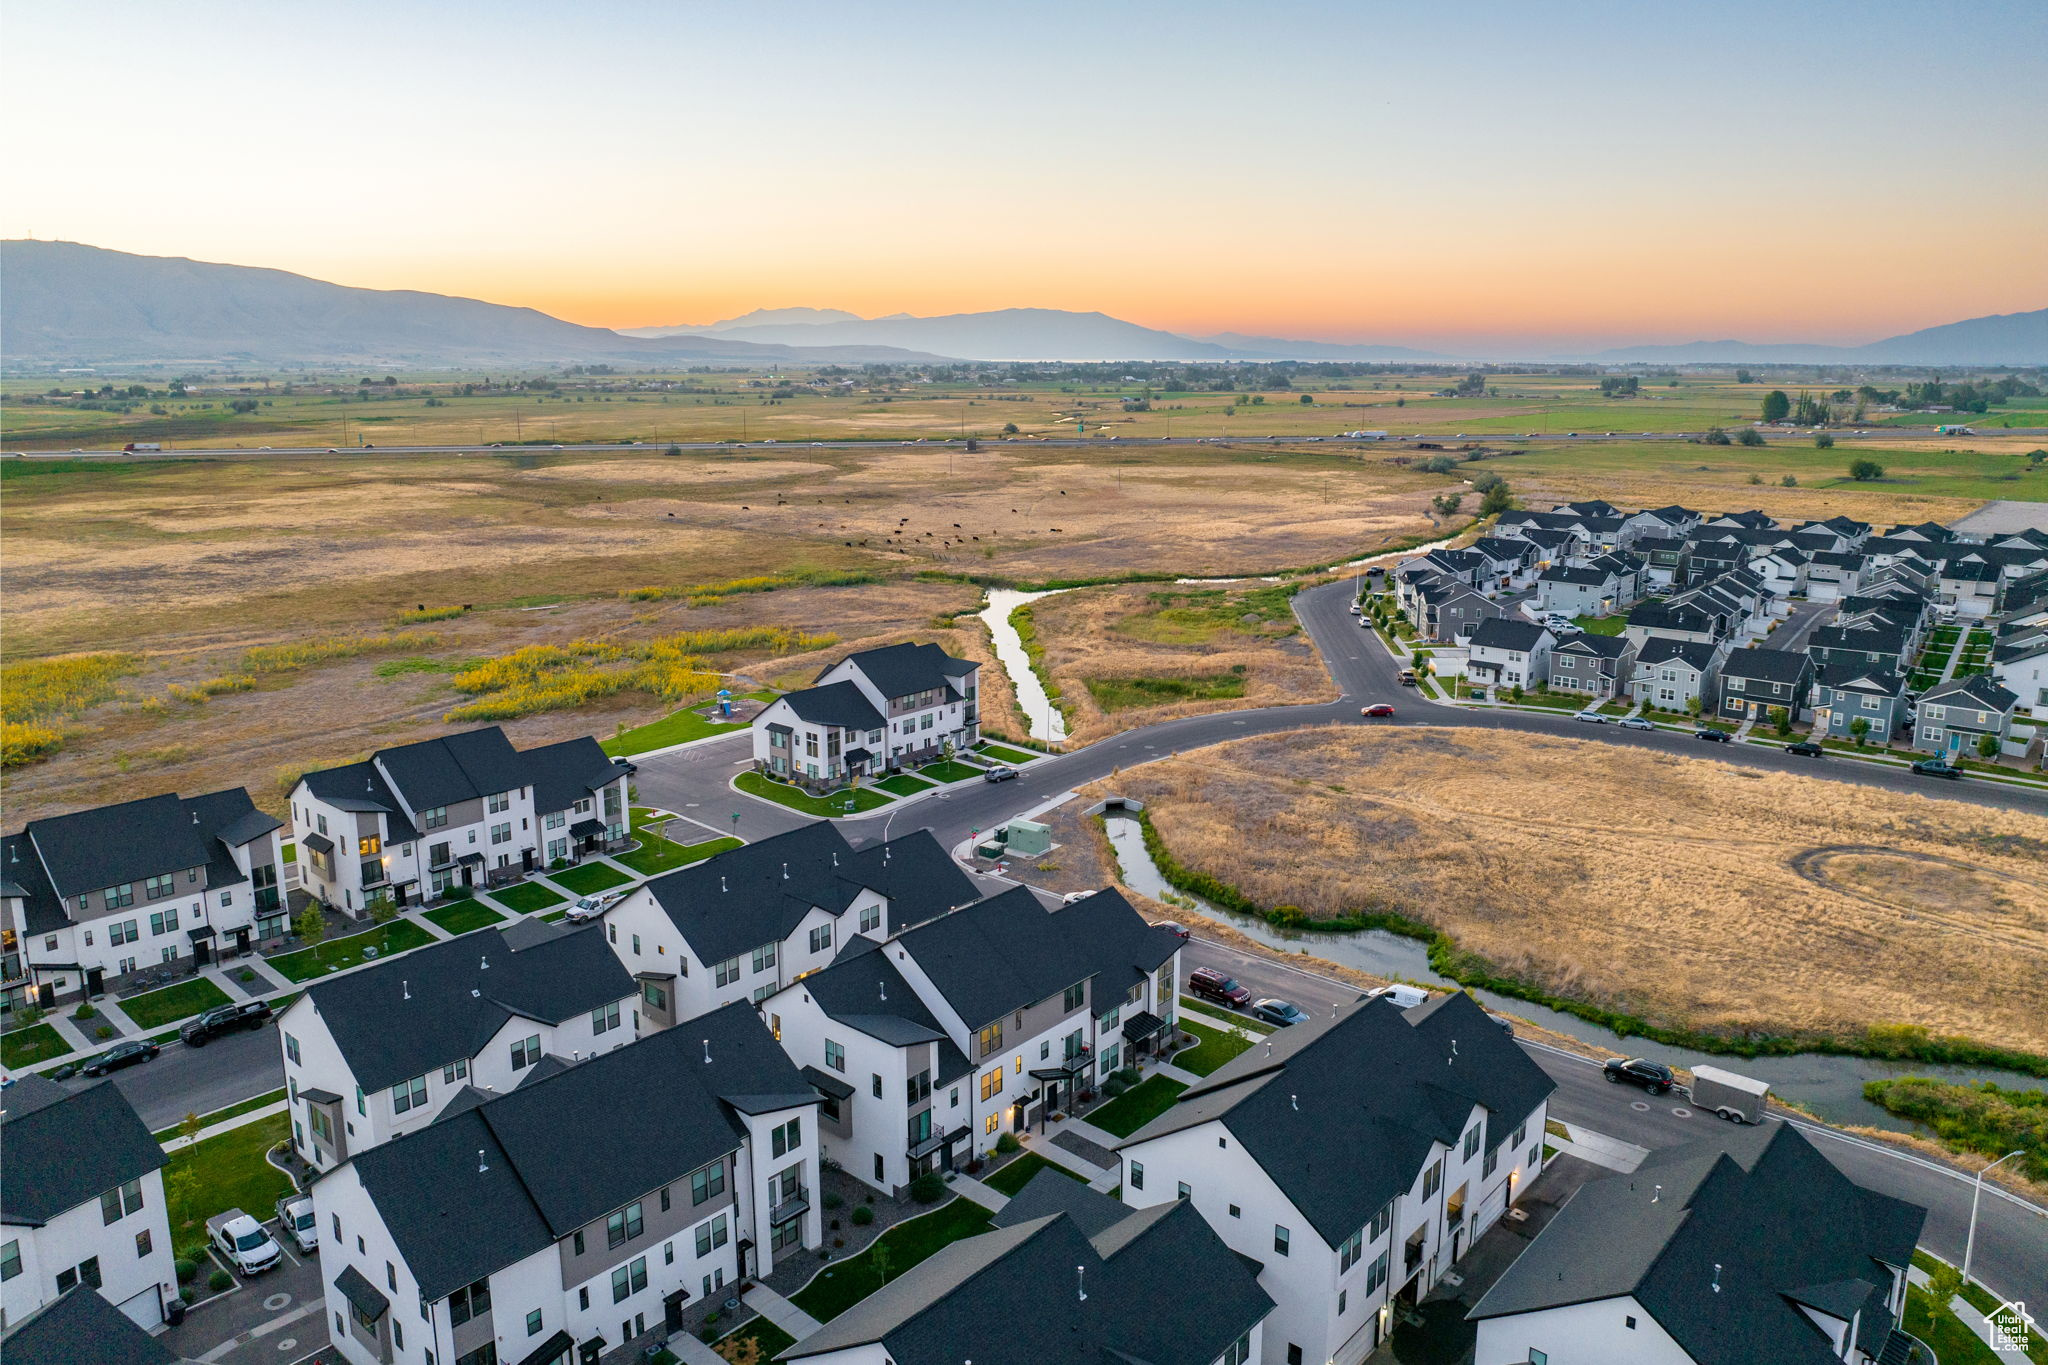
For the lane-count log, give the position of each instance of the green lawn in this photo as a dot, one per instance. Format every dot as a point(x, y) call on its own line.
point(1122, 694)
point(903, 784)
point(590, 878)
point(1203, 1007)
point(23, 1047)
point(864, 798)
point(1952, 1342)
point(999, 754)
point(839, 1287)
point(680, 728)
point(308, 963)
point(1017, 1174)
point(1601, 625)
point(645, 816)
point(1138, 1106)
point(772, 1340)
point(463, 916)
point(948, 770)
point(172, 1003)
point(1213, 1051)
point(291, 853)
point(656, 854)
point(223, 1115)
point(527, 897)
point(224, 1172)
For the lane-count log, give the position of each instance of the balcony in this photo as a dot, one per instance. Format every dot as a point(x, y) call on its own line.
point(790, 1203)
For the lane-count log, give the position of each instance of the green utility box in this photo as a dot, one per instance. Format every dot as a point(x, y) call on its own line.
point(1029, 838)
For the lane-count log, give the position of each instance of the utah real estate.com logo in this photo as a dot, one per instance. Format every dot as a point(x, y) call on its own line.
point(2009, 1327)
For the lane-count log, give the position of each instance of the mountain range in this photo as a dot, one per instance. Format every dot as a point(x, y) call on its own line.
point(72, 304)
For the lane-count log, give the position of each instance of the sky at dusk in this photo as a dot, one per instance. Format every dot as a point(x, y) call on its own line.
point(1583, 173)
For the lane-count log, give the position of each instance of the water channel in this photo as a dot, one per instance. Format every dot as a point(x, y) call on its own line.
point(1830, 1086)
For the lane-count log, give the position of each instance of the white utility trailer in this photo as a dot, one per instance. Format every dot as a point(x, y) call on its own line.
point(1738, 1099)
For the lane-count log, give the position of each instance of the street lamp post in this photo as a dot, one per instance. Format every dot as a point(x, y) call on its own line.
point(1976, 1193)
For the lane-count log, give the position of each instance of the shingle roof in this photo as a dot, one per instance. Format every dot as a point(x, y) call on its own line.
point(82, 1328)
point(1766, 665)
point(1598, 646)
point(1769, 1221)
point(1862, 679)
point(1007, 952)
point(90, 850)
point(900, 670)
point(1342, 1113)
point(1980, 689)
point(360, 787)
point(1658, 649)
point(404, 1017)
point(865, 991)
point(557, 1154)
point(842, 704)
point(454, 768)
point(65, 1147)
point(1043, 1291)
point(563, 774)
point(1585, 577)
point(1505, 632)
point(1051, 1192)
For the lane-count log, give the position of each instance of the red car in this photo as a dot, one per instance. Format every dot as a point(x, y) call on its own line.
point(1378, 708)
point(1214, 985)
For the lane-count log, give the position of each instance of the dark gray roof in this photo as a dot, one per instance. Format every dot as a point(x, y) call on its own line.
point(842, 704)
point(900, 670)
point(740, 899)
point(1599, 646)
point(1044, 1291)
point(460, 767)
point(1979, 689)
point(1766, 665)
point(65, 1147)
point(81, 1328)
point(865, 991)
point(1863, 679)
point(360, 787)
point(1505, 632)
point(1342, 1113)
point(1050, 1192)
point(1781, 1222)
point(1007, 952)
point(404, 1017)
point(1585, 577)
point(563, 774)
point(365, 1297)
point(1672, 615)
point(90, 850)
point(562, 1152)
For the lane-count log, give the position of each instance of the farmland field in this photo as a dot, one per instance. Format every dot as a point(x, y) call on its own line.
point(1766, 902)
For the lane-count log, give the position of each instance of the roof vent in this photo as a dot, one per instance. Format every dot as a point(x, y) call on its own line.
point(1656, 1193)
point(1717, 1277)
point(785, 872)
point(483, 964)
point(1453, 1058)
point(707, 1052)
point(884, 987)
point(835, 859)
point(1269, 1048)
point(195, 817)
point(405, 988)
point(475, 994)
point(1081, 1282)
point(1294, 1103)
point(481, 1167)
point(721, 882)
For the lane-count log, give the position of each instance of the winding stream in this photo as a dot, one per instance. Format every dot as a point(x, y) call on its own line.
point(1040, 715)
point(1828, 1085)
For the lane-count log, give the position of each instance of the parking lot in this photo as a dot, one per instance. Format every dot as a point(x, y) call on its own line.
point(273, 1317)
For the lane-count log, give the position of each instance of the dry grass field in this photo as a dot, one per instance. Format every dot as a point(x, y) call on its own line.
point(1686, 891)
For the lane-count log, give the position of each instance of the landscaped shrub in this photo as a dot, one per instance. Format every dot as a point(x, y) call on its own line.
point(1008, 1143)
point(84, 1010)
point(927, 1188)
point(186, 1270)
point(834, 1200)
point(1127, 1074)
point(220, 1280)
point(862, 1216)
point(1114, 1086)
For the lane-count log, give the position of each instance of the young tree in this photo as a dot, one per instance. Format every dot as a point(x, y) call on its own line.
point(1781, 721)
point(1714, 437)
point(1987, 746)
point(1749, 436)
point(382, 910)
point(1944, 1282)
point(1863, 471)
point(1447, 504)
point(311, 925)
point(1859, 727)
point(1692, 707)
point(1789, 481)
point(1496, 500)
point(1823, 441)
point(1777, 407)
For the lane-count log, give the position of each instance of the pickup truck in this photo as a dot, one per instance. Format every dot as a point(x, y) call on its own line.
point(243, 1242)
point(295, 1220)
point(224, 1019)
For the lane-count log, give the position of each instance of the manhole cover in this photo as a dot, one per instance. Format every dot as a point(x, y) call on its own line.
point(288, 1344)
point(1640, 1106)
point(275, 1302)
point(1682, 1112)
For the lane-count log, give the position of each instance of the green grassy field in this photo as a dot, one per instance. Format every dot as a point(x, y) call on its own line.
point(839, 1287)
point(1017, 1173)
point(590, 878)
point(997, 753)
point(173, 1003)
point(1119, 694)
point(463, 916)
point(680, 728)
point(24, 1047)
point(838, 803)
point(1215, 1048)
point(221, 1173)
point(1138, 1106)
point(657, 855)
point(903, 784)
point(308, 964)
point(526, 897)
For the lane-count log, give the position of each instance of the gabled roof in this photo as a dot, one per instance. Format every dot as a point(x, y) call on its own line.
point(1767, 665)
point(758, 894)
point(1597, 646)
point(1004, 953)
point(472, 1193)
point(65, 1147)
point(1721, 1247)
point(1501, 547)
point(1866, 638)
point(840, 704)
point(1505, 632)
point(900, 670)
point(1660, 649)
point(90, 850)
point(563, 774)
point(445, 1001)
point(82, 1328)
point(1343, 1113)
point(1979, 689)
point(454, 768)
point(1044, 1290)
point(1863, 680)
point(1052, 1192)
point(1585, 576)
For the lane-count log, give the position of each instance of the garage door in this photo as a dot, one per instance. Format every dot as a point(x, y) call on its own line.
point(146, 1308)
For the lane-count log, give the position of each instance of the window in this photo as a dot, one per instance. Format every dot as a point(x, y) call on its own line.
point(1629, 1321)
point(821, 938)
point(623, 1226)
point(708, 1183)
point(407, 1095)
point(1520, 1133)
point(1486, 1167)
point(122, 931)
point(555, 819)
point(1235, 1211)
point(1280, 1239)
point(992, 1040)
point(764, 957)
point(787, 1137)
point(727, 972)
point(471, 1301)
point(1076, 994)
point(118, 1203)
point(629, 1279)
point(920, 1086)
point(1537, 1357)
point(459, 1071)
point(323, 1127)
point(1185, 1192)
point(992, 1084)
point(1240, 1352)
point(877, 1084)
point(576, 1241)
point(1293, 1354)
point(835, 1055)
point(1376, 1273)
point(710, 1235)
point(10, 1260)
point(1109, 1021)
point(1432, 1180)
point(500, 803)
point(989, 1124)
point(163, 921)
point(369, 847)
point(606, 1019)
point(871, 919)
point(533, 1323)
point(118, 896)
point(1347, 1255)
point(1472, 1142)
point(502, 834)
point(525, 1052)
point(1137, 1175)
point(155, 888)
point(143, 1244)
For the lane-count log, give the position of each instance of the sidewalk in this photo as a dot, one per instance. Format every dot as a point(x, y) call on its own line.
point(781, 1311)
point(988, 1197)
point(1971, 1318)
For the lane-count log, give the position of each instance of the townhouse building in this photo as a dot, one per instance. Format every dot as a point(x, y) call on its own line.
point(749, 921)
point(1672, 675)
point(1870, 644)
point(81, 1328)
point(1845, 693)
point(978, 1023)
point(1757, 682)
point(1955, 716)
point(1066, 1275)
point(1552, 546)
point(1509, 653)
point(1586, 589)
point(81, 1203)
point(1849, 531)
point(578, 1213)
point(1751, 1247)
point(1834, 574)
point(1783, 570)
point(89, 899)
point(1710, 554)
point(1449, 611)
point(1599, 666)
point(381, 1052)
point(2019, 662)
point(874, 711)
point(1505, 562)
point(1354, 1159)
point(1751, 520)
point(465, 810)
point(1666, 562)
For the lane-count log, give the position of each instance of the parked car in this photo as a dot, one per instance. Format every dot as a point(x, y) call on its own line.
point(999, 773)
point(242, 1240)
point(1806, 748)
point(626, 766)
point(1278, 1012)
point(590, 907)
point(1407, 997)
point(1654, 1077)
point(1180, 929)
point(295, 1220)
point(1378, 708)
point(1406, 678)
point(1713, 736)
point(1357, 609)
point(1506, 1024)
point(1590, 717)
point(1211, 984)
point(1634, 723)
point(133, 1052)
point(1935, 767)
point(243, 1014)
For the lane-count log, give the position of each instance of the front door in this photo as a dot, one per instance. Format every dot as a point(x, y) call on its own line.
point(202, 952)
point(95, 981)
point(1017, 1117)
point(468, 875)
point(672, 1310)
point(526, 861)
point(46, 994)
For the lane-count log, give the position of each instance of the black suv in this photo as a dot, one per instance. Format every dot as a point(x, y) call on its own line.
point(1654, 1077)
point(243, 1014)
